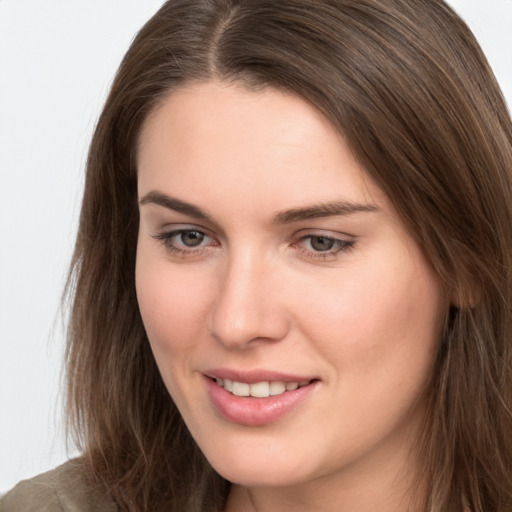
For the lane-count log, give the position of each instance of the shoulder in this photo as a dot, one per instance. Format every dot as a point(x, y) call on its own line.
point(64, 489)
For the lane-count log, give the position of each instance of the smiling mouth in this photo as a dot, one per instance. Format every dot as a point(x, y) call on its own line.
point(262, 389)
point(246, 398)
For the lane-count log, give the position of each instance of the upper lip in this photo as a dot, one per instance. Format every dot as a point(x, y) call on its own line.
point(253, 376)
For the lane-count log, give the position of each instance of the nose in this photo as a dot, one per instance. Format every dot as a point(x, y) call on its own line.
point(248, 308)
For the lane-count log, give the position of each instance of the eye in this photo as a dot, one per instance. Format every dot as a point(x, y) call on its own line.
point(321, 246)
point(190, 238)
point(185, 242)
point(321, 243)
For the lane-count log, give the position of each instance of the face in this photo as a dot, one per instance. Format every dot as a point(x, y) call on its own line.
point(292, 317)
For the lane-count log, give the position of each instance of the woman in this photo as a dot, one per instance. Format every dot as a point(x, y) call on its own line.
point(291, 284)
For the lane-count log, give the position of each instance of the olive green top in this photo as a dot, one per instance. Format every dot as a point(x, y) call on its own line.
point(63, 489)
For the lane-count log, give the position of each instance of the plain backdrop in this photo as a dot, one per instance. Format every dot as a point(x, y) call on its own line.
point(57, 59)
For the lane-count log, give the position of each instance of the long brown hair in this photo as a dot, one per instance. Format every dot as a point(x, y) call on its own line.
point(408, 86)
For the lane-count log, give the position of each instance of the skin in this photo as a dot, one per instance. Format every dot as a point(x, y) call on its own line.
point(364, 317)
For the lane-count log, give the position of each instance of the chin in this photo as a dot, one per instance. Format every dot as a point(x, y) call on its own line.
point(271, 465)
point(266, 475)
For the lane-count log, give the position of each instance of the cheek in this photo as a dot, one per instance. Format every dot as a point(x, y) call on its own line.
point(382, 324)
point(172, 306)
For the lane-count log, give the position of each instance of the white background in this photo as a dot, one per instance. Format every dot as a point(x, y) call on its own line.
point(57, 59)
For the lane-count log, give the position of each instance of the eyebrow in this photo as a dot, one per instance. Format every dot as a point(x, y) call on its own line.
point(171, 203)
point(322, 210)
point(315, 211)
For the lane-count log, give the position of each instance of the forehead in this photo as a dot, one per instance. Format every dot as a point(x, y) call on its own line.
point(212, 137)
point(210, 110)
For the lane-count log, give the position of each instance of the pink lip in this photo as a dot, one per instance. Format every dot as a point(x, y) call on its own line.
point(253, 376)
point(250, 411)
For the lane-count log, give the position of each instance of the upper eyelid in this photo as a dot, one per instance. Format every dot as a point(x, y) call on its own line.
point(168, 229)
point(329, 237)
point(174, 232)
point(301, 234)
point(344, 237)
point(164, 220)
point(329, 233)
point(341, 241)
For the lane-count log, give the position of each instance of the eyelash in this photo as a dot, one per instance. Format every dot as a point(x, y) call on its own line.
point(339, 245)
point(166, 239)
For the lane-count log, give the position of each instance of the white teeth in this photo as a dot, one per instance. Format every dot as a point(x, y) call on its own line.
point(259, 389)
point(277, 388)
point(241, 389)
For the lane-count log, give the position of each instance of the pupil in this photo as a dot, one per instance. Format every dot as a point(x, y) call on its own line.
point(192, 238)
point(321, 243)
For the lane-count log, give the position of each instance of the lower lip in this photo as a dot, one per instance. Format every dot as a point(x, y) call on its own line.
point(251, 411)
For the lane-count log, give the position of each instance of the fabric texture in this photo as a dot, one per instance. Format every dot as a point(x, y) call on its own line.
point(64, 489)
